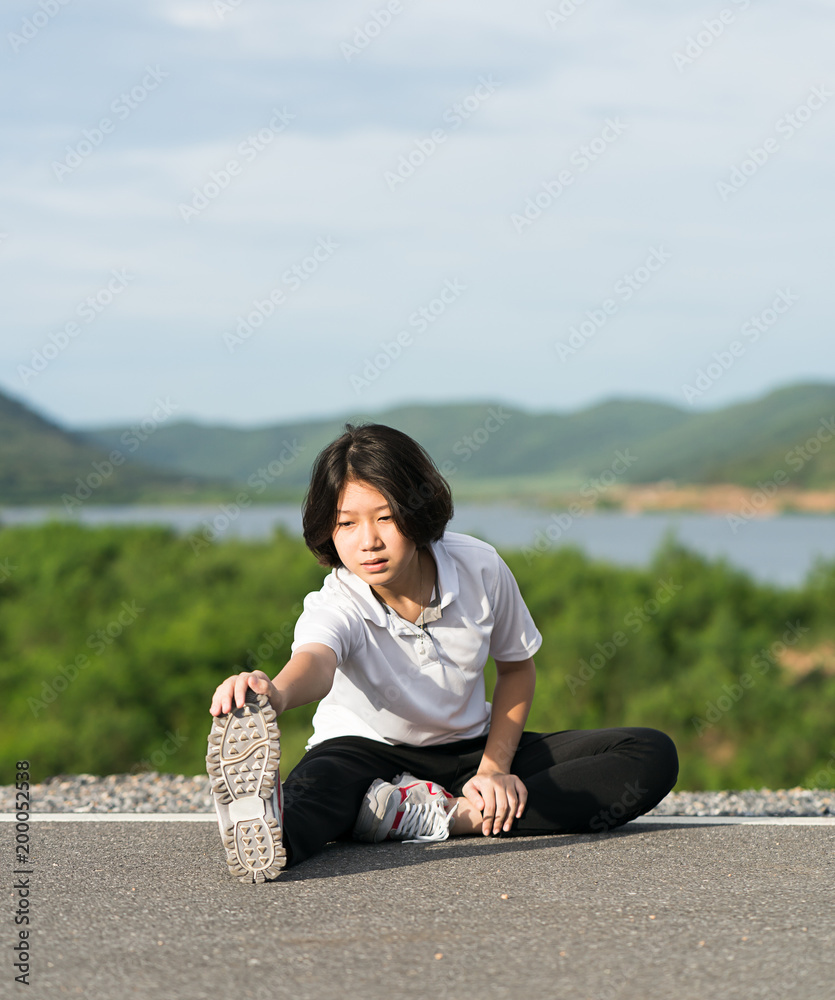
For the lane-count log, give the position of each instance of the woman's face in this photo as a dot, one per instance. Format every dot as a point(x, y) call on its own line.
point(367, 540)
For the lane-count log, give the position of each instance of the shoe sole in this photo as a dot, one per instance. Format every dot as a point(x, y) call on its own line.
point(379, 808)
point(377, 812)
point(242, 761)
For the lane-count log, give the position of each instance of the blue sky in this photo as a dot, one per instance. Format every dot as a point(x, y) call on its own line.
point(266, 211)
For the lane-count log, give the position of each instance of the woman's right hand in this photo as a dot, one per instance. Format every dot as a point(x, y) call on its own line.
point(231, 693)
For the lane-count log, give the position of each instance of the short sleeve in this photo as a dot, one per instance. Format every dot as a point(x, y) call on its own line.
point(325, 621)
point(514, 636)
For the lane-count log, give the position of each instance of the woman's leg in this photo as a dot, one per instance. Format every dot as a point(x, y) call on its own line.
point(324, 791)
point(577, 781)
point(589, 780)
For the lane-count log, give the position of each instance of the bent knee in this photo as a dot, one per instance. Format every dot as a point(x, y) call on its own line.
point(661, 760)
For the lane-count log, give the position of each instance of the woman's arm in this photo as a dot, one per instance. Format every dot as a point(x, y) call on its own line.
point(512, 698)
point(307, 676)
point(497, 794)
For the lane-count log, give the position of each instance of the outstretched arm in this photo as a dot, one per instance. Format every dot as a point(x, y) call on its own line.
point(307, 676)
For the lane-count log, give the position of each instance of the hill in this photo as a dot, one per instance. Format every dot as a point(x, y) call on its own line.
point(41, 462)
point(491, 447)
point(495, 449)
point(487, 449)
point(787, 430)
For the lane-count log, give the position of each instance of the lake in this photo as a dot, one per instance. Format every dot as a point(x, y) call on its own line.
point(779, 550)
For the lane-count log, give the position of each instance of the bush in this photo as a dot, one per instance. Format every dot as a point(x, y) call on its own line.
point(112, 641)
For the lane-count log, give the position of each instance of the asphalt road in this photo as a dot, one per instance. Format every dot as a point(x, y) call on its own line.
point(148, 910)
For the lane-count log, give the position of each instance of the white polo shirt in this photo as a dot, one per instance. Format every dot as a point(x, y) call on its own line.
point(398, 684)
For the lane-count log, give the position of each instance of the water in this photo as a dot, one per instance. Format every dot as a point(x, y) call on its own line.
point(778, 550)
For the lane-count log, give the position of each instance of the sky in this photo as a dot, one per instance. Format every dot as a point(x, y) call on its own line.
point(259, 211)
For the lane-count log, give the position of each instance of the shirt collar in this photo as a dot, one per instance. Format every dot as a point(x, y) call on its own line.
point(373, 610)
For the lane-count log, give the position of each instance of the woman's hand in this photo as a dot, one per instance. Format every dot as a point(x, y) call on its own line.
point(500, 798)
point(232, 692)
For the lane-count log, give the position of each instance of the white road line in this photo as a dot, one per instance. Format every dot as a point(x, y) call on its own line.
point(91, 817)
point(737, 820)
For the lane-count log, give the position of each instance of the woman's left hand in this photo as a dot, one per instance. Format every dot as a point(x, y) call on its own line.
point(500, 798)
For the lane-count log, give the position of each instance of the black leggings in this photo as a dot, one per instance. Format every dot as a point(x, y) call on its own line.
point(578, 781)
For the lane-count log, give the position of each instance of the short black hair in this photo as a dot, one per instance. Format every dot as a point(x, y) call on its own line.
point(396, 466)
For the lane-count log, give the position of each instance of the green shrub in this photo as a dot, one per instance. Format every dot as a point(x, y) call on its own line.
point(112, 641)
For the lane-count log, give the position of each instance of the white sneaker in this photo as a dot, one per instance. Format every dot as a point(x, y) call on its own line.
point(406, 809)
point(242, 761)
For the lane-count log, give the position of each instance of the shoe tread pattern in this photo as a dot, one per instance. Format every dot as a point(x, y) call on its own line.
point(242, 761)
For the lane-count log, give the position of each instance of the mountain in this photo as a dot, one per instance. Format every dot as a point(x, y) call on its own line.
point(488, 450)
point(42, 463)
point(492, 449)
point(790, 430)
point(479, 441)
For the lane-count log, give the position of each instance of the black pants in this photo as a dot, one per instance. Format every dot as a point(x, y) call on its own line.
point(578, 781)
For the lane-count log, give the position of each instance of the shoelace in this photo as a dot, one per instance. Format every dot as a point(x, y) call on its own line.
point(424, 821)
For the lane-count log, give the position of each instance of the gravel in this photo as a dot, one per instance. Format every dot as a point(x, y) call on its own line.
point(150, 792)
point(145, 792)
point(765, 802)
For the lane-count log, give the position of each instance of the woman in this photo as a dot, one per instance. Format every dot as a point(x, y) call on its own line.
point(393, 646)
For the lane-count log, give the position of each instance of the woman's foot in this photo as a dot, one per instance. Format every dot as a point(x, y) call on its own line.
point(242, 761)
point(405, 809)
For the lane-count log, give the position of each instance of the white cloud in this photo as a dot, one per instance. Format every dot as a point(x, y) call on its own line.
point(325, 176)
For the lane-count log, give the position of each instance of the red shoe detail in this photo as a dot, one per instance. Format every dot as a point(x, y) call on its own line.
point(429, 787)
